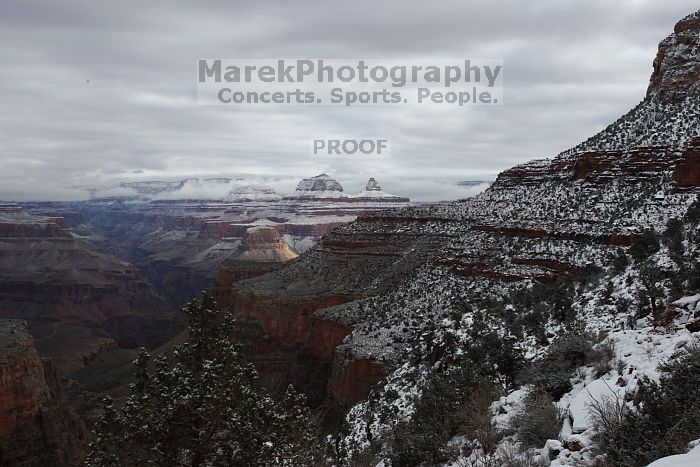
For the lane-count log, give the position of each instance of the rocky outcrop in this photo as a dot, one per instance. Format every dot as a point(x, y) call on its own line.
point(37, 425)
point(677, 64)
point(265, 244)
point(373, 185)
point(352, 379)
point(634, 164)
point(667, 117)
point(282, 338)
point(320, 187)
point(278, 313)
point(687, 172)
point(63, 286)
point(374, 193)
point(402, 271)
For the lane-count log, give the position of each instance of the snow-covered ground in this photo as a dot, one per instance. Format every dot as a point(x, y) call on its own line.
point(691, 459)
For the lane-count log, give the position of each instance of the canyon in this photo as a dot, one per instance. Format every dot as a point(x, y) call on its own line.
point(39, 426)
point(84, 284)
point(353, 299)
point(349, 312)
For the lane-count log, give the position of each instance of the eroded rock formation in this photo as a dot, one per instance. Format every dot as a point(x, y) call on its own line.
point(77, 300)
point(345, 314)
point(181, 244)
point(677, 64)
point(265, 244)
point(37, 425)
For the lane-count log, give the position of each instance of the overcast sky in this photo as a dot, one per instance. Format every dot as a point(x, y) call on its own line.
point(93, 93)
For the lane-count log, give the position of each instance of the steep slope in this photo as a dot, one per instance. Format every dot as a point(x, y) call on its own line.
point(376, 295)
point(77, 300)
point(667, 117)
point(37, 425)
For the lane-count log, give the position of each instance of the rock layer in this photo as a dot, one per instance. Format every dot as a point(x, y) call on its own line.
point(63, 286)
point(372, 281)
point(677, 64)
point(37, 425)
point(265, 244)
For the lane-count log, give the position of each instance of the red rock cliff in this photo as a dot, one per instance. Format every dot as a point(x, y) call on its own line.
point(677, 64)
point(37, 426)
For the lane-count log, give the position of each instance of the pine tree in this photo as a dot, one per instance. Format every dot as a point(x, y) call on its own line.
point(201, 407)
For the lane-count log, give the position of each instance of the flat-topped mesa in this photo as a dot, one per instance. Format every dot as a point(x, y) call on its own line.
point(677, 65)
point(252, 193)
point(320, 187)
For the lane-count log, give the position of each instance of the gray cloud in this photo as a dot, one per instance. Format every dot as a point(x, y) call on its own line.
point(570, 68)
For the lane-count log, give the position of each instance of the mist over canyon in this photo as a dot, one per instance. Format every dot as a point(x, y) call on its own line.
point(548, 318)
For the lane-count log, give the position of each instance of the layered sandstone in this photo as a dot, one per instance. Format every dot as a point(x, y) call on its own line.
point(37, 426)
point(265, 244)
point(687, 172)
point(63, 286)
point(677, 64)
point(320, 187)
point(278, 313)
point(181, 244)
point(341, 317)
